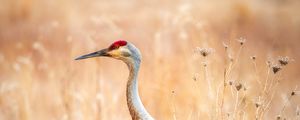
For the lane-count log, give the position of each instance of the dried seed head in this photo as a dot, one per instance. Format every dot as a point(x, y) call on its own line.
point(245, 89)
point(194, 78)
point(230, 58)
point(257, 104)
point(276, 68)
point(204, 51)
point(225, 45)
point(283, 61)
point(253, 57)
point(230, 82)
point(278, 117)
point(204, 64)
point(173, 91)
point(293, 93)
point(241, 40)
point(238, 86)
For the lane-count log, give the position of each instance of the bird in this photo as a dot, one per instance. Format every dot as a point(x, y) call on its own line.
point(131, 56)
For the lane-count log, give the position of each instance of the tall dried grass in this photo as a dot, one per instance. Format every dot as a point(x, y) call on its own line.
point(40, 80)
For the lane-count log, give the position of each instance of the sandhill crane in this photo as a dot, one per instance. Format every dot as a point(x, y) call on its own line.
point(128, 53)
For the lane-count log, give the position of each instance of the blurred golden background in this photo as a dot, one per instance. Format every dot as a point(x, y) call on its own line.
point(39, 39)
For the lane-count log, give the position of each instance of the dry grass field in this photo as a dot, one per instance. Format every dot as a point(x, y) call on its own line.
point(202, 59)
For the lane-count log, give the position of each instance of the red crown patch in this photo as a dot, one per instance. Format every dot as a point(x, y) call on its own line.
point(117, 44)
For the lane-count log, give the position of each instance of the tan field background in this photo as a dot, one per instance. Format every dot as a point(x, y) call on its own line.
point(39, 39)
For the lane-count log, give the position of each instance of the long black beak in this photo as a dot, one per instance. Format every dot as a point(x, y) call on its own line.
point(99, 53)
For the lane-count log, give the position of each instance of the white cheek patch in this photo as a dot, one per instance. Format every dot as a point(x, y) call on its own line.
point(124, 52)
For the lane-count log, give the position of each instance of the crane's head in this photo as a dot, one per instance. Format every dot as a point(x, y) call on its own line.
point(120, 49)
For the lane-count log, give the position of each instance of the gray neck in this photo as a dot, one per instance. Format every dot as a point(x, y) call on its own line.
point(136, 108)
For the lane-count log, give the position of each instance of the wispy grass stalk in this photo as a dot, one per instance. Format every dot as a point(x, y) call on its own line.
point(173, 105)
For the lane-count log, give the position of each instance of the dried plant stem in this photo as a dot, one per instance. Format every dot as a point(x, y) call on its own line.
point(264, 95)
point(231, 66)
point(285, 103)
point(190, 115)
point(257, 113)
point(210, 91)
point(218, 108)
point(267, 106)
point(244, 114)
point(238, 54)
point(258, 108)
point(266, 83)
point(244, 95)
point(228, 70)
point(227, 76)
point(267, 94)
point(236, 105)
point(243, 108)
point(236, 60)
point(267, 90)
point(197, 86)
point(274, 82)
point(232, 90)
point(99, 114)
point(66, 98)
point(173, 106)
point(297, 113)
point(268, 103)
point(66, 101)
point(256, 73)
point(223, 94)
